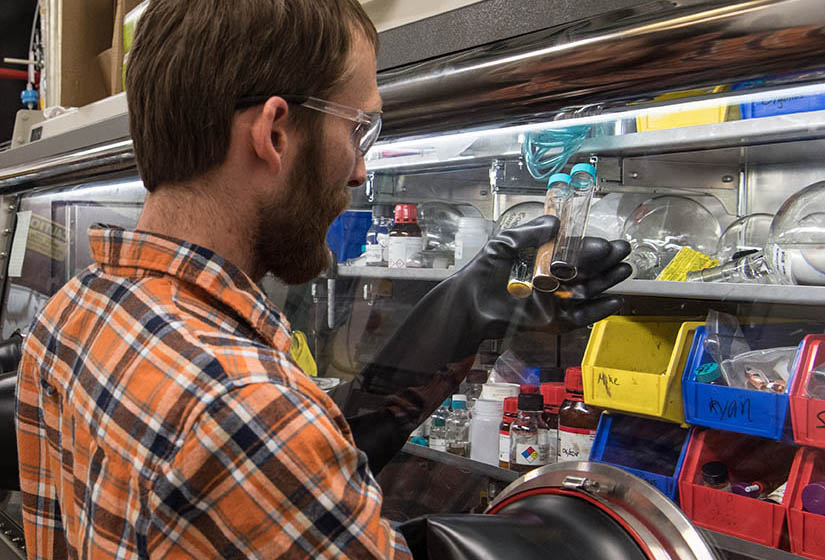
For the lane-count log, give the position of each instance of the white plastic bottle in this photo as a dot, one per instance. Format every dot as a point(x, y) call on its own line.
point(484, 428)
point(458, 428)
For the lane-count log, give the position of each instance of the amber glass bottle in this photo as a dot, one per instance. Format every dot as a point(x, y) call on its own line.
point(577, 421)
point(406, 240)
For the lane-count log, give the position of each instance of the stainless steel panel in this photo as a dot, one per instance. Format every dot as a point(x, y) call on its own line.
point(616, 56)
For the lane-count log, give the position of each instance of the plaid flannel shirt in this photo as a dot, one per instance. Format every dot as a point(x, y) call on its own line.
point(159, 415)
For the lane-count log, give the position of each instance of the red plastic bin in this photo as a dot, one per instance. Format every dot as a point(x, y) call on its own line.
point(808, 413)
point(748, 458)
point(807, 530)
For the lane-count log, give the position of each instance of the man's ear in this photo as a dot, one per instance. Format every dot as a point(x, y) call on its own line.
point(269, 132)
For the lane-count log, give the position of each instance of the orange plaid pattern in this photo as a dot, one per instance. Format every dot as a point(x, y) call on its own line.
point(159, 415)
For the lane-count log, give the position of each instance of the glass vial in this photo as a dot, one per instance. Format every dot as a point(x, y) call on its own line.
point(510, 414)
point(458, 428)
point(573, 222)
point(555, 202)
point(715, 475)
point(526, 437)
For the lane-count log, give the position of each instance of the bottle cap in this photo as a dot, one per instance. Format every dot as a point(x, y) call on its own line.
point(382, 210)
point(553, 394)
point(708, 372)
point(715, 472)
point(584, 168)
point(484, 407)
point(406, 214)
point(447, 402)
point(499, 391)
point(749, 489)
point(459, 405)
point(510, 405)
point(573, 380)
point(528, 388)
point(558, 177)
point(530, 401)
point(813, 498)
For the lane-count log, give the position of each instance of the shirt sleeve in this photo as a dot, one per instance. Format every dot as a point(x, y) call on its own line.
point(266, 473)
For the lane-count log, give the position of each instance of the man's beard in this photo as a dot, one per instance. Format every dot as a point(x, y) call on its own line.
point(290, 236)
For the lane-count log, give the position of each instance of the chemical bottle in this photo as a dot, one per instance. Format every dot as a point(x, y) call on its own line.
point(577, 421)
point(471, 236)
point(527, 434)
point(438, 427)
point(484, 431)
point(715, 475)
point(378, 237)
point(553, 394)
point(509, 415)
point(405, 241)
point(458, 427)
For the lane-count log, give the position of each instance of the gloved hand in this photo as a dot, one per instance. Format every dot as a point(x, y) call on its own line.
point(412, 375)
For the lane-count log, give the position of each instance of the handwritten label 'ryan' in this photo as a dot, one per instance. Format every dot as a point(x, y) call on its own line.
point(730, 409)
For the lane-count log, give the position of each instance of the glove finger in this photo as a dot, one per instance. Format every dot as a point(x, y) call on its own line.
point(593, 311)
point(533, 234)
point(601, 282)
point(598, 254)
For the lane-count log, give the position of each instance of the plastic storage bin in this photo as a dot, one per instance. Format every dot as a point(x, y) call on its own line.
point(807, 530)
point(635, 365)
point(652, 450)
point(347, 235)
point(783, 106)
point(748, 459)
point(678, 119)
point(807, 412)
point(740, 410)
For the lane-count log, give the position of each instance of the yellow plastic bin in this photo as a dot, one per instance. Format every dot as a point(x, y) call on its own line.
point(635, 364)
point(661, 120)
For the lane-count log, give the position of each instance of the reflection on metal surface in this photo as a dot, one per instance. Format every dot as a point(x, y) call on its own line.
point(617, 56)
point(664, 529)
point(98, 158)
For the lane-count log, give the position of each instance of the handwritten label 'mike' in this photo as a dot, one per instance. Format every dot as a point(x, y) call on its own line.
point(730, 409)
point(607, 380)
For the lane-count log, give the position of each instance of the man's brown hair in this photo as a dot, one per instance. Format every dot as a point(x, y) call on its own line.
point(193, 59)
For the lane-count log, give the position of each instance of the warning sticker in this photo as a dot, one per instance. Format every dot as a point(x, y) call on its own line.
point(686, 260)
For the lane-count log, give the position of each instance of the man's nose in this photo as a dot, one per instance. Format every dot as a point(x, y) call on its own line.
point(359, 173)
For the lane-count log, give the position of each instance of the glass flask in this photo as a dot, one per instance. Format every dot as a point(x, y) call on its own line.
point(660, 227)
point(747, 235)
point(794, 252)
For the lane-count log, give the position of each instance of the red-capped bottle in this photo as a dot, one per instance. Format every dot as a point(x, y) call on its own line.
point(554, 394)
point(577, 421)
point(510, 414)
point(406, 241)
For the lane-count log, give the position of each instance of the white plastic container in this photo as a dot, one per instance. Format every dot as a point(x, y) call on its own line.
point(471, 236)
point(499, 391)
point(484, 426)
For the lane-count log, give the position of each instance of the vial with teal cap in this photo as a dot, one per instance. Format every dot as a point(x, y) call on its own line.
point(573, 219)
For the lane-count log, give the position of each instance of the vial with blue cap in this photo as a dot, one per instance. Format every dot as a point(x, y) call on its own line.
point(555, 203)
point(573, 218)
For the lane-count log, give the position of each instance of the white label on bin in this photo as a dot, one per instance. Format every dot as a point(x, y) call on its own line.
point(575, 443)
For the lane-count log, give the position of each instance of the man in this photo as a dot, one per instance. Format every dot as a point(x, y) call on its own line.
point(159, 414)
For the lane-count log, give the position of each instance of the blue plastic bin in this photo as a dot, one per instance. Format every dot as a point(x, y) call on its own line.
point(741, 410)
point(652, 450)
point(347, 235)
point(780, 105)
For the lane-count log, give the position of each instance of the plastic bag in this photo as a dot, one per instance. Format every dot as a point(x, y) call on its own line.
point(724, 338)
point(761, 370)
point(509, 368)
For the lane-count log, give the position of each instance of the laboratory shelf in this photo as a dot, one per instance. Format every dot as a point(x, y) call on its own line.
point(430, 274)
point(722, 291)
point(461, 463)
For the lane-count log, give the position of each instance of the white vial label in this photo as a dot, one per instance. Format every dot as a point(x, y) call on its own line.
point(504, 448)
point(439, 444)
point(373, 254)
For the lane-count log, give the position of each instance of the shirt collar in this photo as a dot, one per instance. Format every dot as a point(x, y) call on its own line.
point(122, 252)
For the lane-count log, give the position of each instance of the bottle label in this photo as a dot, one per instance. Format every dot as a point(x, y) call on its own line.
point(549, 443)
point(384, 243)
point(373, 254)
point(575, 443)
point(527, 454)
point(439, 444)
point(504, 447)
point(402, 250)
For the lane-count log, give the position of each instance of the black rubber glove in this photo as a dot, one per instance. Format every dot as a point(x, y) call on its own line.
point(412, 375)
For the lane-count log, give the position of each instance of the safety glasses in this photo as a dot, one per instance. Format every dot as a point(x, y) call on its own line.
point(367, 125)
